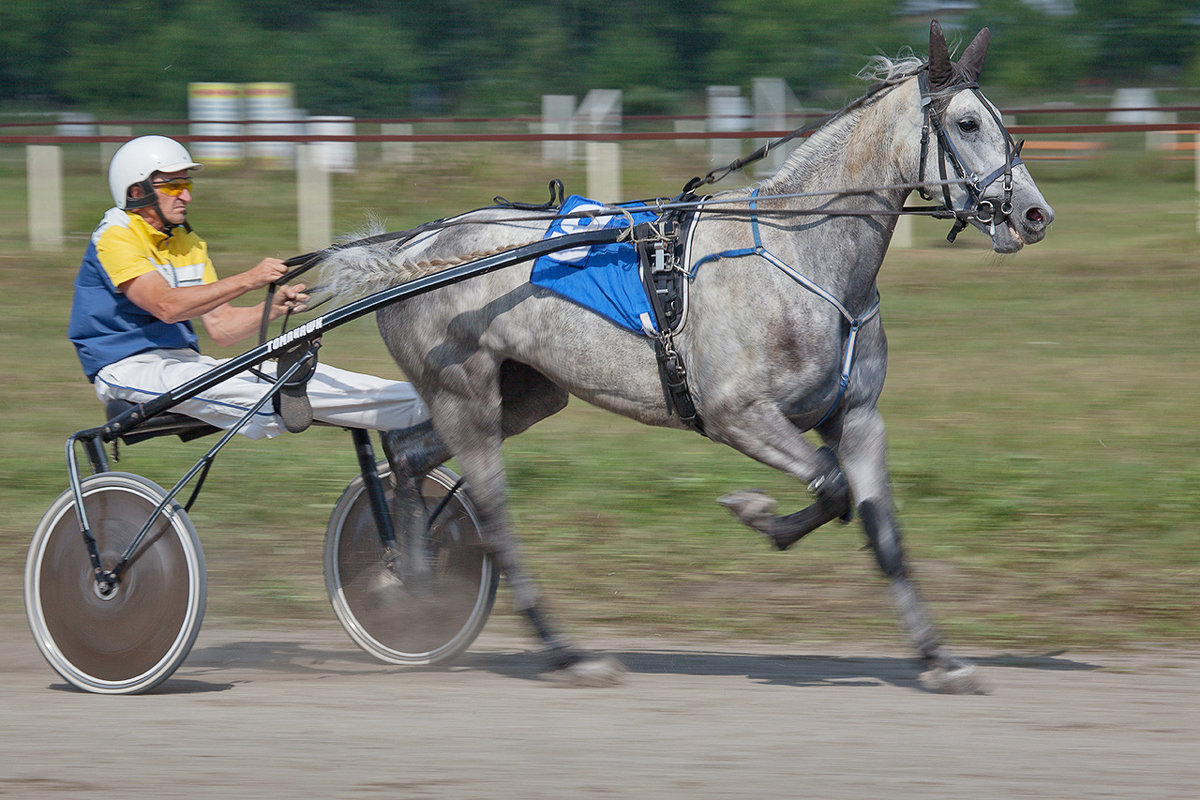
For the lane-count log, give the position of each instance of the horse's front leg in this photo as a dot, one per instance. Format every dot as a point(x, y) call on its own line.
point(863, 451)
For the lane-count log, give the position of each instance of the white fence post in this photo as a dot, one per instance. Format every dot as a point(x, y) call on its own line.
point(600, 111)
point(727, 111)
point(604, 171)
point(336, 156)
point(558, 116)
point(772, 99)
point(43, 165)
point(1124, 100)
point(314, 208)
point(903, 235)
point(1197, 152)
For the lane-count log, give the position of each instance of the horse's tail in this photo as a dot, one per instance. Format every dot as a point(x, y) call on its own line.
point(355, 265)
point(357, 270)
point(382, 260)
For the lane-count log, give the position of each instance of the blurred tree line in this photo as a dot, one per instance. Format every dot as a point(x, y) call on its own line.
point(396, 57)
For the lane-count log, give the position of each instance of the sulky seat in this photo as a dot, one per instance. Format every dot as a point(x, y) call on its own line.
point(165, 424)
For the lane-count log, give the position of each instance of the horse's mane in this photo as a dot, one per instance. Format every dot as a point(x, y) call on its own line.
point(804, 160)
point(881, 69)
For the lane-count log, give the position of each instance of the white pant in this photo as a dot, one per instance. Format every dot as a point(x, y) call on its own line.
point(338, 397)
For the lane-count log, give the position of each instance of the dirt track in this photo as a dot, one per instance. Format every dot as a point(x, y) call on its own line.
point(301, 713)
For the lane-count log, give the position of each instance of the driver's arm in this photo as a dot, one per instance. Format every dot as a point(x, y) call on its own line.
point(226, 324)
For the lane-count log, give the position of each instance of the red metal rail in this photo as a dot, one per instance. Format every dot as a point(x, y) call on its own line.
point(1018, 130)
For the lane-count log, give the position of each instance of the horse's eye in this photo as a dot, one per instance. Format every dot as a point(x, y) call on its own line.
point(968, 125)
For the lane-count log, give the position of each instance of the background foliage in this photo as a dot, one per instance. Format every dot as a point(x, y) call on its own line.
point(394, 57)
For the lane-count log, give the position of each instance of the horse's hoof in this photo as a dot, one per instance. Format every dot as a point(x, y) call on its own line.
point(589, 671)
point(960, 678)
point(753, 507)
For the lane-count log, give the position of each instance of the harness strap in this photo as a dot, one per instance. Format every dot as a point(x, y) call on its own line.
point(856, 322)
point(738, 253)
point(670, 366)
point(848, 359)
point(974, 185)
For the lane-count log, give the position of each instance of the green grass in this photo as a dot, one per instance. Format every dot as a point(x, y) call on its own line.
point(1043, 425)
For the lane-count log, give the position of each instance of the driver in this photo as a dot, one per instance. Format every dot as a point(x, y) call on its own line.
point(146, 275)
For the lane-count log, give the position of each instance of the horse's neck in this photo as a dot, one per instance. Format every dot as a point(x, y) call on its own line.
point(865, 149)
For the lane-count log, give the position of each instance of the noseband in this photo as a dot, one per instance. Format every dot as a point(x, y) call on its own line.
point(976, 207)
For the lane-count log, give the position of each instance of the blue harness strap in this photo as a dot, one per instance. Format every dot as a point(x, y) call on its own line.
point(856, 323)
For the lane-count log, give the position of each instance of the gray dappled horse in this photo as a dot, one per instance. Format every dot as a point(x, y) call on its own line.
point(765, 341)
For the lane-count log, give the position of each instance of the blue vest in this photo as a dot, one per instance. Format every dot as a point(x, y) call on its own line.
point(106, 326)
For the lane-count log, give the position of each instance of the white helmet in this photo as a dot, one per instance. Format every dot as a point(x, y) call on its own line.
point(140, 158)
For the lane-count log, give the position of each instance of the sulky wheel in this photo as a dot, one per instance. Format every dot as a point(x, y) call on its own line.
point(371, 601)
point(132, 637)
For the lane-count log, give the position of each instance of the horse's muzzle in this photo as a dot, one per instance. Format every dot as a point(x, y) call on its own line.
point(1034, 222)
point(1011, 228)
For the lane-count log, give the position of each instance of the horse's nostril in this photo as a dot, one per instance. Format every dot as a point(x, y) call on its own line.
point(1035, 216)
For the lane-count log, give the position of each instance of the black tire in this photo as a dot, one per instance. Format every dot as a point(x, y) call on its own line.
point(132, 639)
point(370, 600)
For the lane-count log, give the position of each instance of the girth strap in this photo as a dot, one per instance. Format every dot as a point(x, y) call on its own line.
point(665, 285)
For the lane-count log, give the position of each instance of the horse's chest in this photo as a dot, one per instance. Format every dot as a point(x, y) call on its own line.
point(812, 372)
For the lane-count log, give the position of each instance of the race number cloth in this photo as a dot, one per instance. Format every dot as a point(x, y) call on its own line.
point(603, 277)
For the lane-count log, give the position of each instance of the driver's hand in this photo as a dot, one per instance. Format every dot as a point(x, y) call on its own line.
point(267, 271)
point(290, 299)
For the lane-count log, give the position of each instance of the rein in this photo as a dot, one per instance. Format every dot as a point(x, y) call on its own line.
point(687, 199)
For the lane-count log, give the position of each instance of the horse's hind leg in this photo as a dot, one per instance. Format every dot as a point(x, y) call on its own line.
point(527, 397)
point(475, 425)
point(863, 452)
point(411, 453)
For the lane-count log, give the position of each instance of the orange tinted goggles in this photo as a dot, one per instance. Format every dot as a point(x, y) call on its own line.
point(174, 187)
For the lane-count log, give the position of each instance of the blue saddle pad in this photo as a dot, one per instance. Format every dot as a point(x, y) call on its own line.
point(603, 277)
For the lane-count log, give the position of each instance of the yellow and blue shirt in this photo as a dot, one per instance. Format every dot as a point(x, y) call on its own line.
point(106, 326)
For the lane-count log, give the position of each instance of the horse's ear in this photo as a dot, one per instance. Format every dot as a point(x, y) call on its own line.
point(941, 71)
point(973, 57)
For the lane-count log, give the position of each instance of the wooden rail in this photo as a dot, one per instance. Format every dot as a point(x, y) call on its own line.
point(1050, 150)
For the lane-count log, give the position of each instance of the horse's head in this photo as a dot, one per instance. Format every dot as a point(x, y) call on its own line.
point(966, 145)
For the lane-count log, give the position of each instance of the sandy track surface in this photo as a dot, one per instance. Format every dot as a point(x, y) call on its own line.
point(301, 713)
